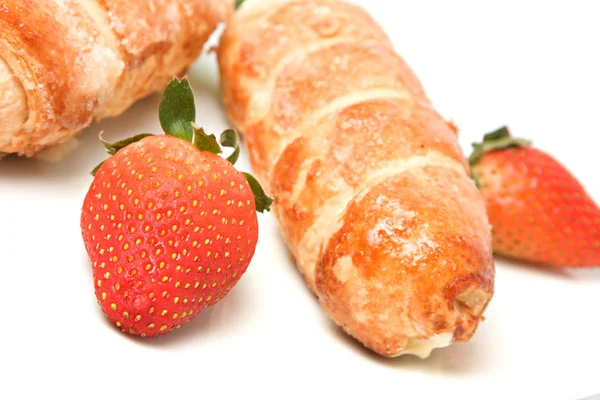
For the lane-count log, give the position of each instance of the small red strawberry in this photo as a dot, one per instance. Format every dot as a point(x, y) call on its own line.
point(539, 212)
point(169, 225)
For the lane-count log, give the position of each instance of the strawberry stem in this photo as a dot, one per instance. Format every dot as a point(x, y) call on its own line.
point(499, 139)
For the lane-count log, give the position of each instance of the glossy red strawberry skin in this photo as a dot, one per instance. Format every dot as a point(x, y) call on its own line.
point(169, 229)
point(538, 210)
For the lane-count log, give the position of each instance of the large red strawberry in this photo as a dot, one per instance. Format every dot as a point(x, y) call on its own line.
point(169, 225)
point(538, 210)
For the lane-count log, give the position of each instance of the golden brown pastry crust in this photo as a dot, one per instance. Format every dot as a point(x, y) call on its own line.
point(72, 62)
point(372, 192)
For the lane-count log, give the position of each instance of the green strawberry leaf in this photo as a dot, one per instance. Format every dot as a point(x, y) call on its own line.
point(230, 138)
point(499, 139)
point(95, 170)
point(113, 147)
point(238, 3)
point(177, 110)
point(262, 201)
point(499, 133)
point(475, 180)
point(205, 142)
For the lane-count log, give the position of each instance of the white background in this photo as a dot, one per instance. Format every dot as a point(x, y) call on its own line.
point(532, 65)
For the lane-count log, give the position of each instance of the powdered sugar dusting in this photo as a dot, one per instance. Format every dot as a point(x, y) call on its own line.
point(106, 70)
point(329, 218)
point(98, 66)
point(419, 245)
point(412, 245)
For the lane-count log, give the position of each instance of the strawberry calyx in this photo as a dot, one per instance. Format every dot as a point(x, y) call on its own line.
point(237, 4)
point(499, 139)
point(177, 113)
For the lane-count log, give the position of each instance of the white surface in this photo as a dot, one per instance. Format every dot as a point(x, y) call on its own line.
point(532, 65)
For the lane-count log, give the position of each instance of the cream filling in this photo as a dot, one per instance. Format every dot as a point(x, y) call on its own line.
point(422, 348)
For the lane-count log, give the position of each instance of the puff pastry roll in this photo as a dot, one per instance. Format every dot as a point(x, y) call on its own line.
point(372, 192)
point(67, 63)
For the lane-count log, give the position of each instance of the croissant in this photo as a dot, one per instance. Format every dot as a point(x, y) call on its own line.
point(65, 64)
point(372, 194)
